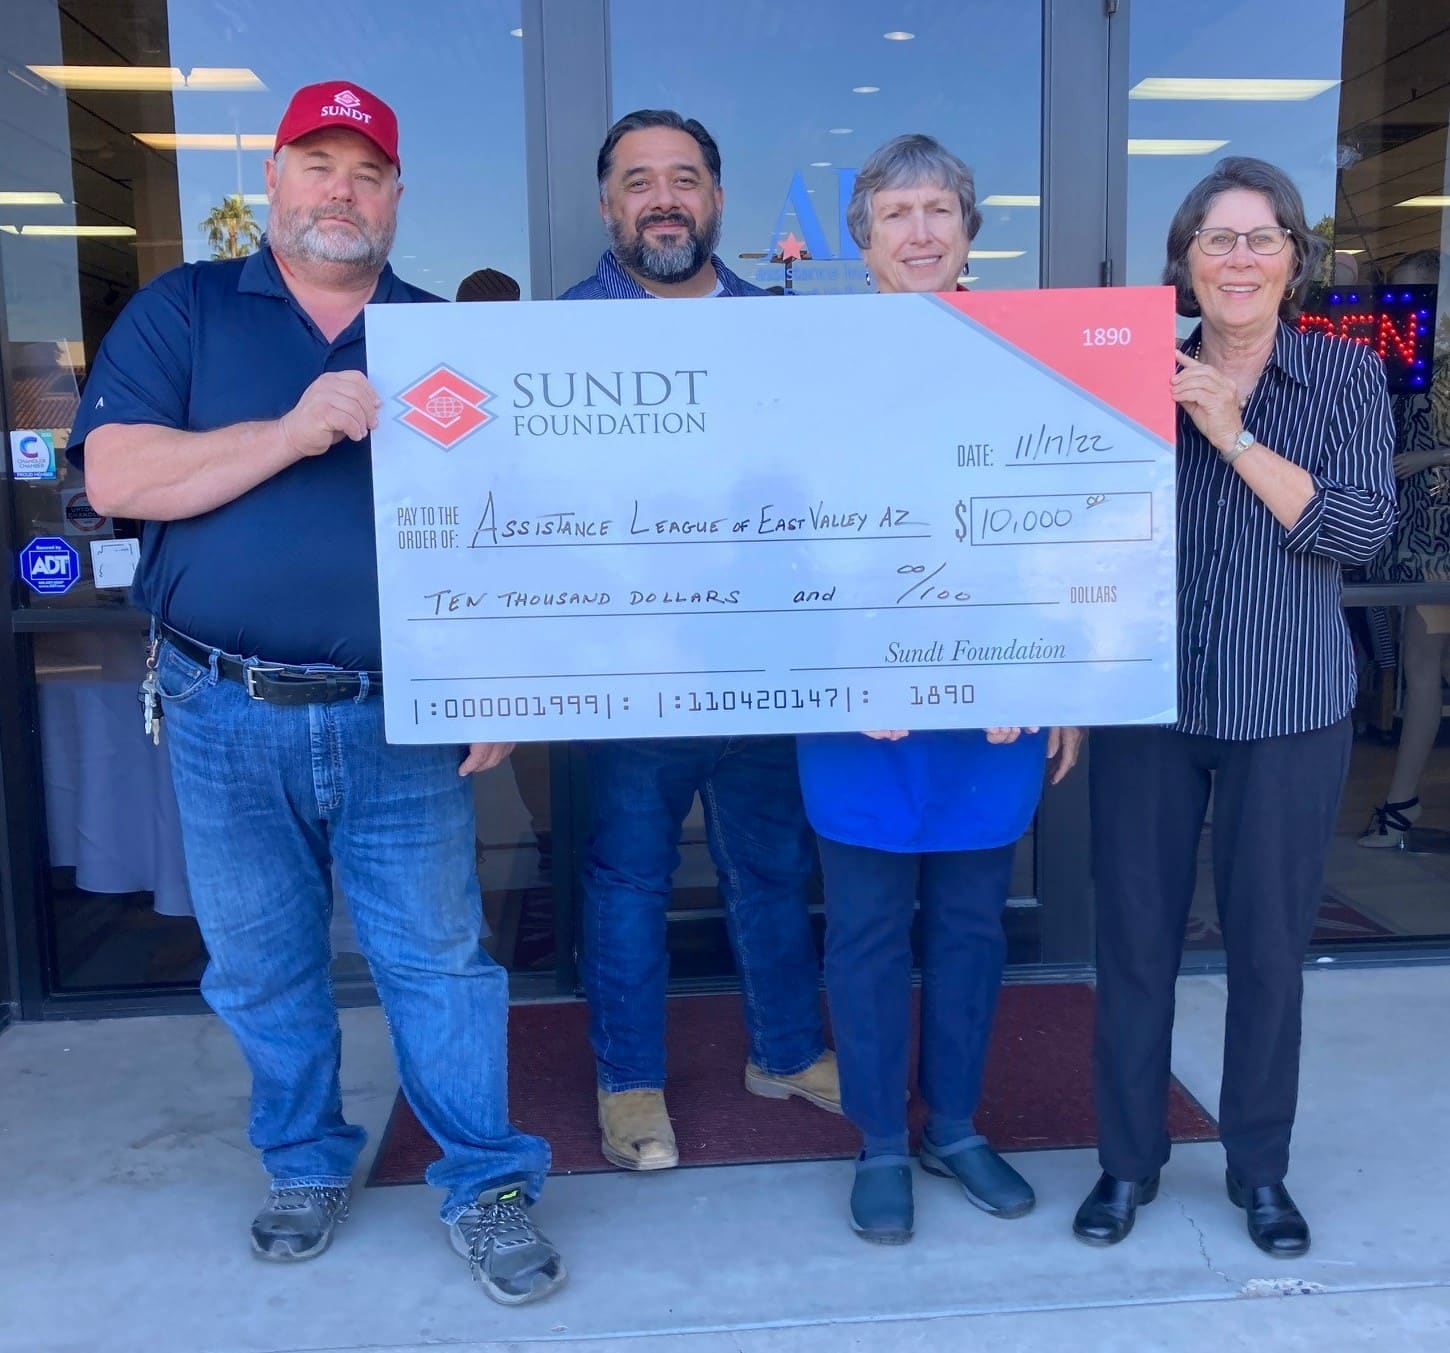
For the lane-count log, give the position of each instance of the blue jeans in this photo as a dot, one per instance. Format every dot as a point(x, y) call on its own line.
point(642, 792)
point(870, 903)
point(271, 797)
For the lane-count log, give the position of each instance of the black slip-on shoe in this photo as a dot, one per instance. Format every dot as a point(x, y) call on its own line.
point(1275, 1224)
point(1108, 1212)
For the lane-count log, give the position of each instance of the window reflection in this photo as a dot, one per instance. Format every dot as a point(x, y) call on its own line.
point(137, 133)
point(1356, 113)
point(135, 136)
point(797, 96)
point(1199, 89)
point(455, 80)
point(1392, 282)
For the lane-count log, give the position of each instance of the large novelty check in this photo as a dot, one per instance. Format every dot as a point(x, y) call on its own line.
point(643, 519)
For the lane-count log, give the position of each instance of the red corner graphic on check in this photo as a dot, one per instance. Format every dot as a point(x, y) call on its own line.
point(445, 407)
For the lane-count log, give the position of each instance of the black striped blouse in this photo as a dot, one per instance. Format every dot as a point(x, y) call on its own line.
point(1262, 644)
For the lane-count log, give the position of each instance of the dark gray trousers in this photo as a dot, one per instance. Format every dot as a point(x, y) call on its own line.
point(1275, 801)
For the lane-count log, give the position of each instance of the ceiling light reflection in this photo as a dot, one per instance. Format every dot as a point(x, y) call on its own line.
point(31, 200)
point(224, 77)
point(112, 77)
point(74, 231)
point(149, 79)
point(188, 140)
point(1172, 146)
point(1012, 200)
point(206, 140)
point(1236, 91)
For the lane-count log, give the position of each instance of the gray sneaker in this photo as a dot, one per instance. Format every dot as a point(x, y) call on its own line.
point(297, 1223)
point(505, 1251)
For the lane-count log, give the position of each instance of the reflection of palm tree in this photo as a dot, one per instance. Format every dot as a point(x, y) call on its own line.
point(231, 229)
point(1325, 228)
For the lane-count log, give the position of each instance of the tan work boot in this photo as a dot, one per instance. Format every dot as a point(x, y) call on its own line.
point(635, 1130)
point(818, 1084)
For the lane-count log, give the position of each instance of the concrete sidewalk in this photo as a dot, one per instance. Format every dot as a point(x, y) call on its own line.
point(126, 1185)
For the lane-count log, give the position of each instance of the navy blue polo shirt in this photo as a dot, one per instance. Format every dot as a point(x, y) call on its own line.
point(288, 571)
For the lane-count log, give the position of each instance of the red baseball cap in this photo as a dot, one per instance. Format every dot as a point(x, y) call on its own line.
point(336, 103)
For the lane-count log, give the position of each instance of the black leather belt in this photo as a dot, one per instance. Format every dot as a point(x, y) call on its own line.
point(278, 683)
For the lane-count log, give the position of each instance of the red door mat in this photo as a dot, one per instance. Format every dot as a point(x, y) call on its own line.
point(1038, 1093)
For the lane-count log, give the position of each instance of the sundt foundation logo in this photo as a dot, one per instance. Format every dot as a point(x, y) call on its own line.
point(346, 98)
point(444, 407)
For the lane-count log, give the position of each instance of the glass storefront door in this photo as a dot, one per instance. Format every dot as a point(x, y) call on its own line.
point(1390, 867)
point(796, 98)
point(1356, 108)
point(135, 136)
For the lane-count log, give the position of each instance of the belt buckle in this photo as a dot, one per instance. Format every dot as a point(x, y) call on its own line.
point(249, 679)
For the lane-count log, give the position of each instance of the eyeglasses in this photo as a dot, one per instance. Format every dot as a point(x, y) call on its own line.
point(1262, 240)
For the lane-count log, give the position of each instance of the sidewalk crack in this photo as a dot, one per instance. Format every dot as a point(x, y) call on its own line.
point(1203, 1245)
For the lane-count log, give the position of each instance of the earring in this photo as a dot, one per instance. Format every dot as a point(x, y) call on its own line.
point(1289, 295)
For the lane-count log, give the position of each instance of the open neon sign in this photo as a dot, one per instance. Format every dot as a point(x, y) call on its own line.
point(1396, 321)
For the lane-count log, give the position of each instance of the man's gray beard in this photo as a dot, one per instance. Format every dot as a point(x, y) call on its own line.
point(296, 234)
point(669, 262)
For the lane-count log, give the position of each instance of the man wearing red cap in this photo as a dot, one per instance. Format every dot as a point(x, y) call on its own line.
point(228, 410)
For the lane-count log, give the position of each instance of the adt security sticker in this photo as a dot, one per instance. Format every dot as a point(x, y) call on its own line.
point(50, 565)
point(32, 454)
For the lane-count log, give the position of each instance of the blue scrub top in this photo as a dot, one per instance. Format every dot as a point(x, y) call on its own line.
point(931, 791)
point(288, 571)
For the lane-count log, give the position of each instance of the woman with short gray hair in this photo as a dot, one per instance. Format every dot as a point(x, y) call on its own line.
point(908, 162)
point(1284, 475)
point(934, 814)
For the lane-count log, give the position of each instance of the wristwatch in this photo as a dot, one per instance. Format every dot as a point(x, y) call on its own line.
point(1242, 442)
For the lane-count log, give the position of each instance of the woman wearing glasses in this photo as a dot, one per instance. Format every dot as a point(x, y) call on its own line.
point(1284, 474)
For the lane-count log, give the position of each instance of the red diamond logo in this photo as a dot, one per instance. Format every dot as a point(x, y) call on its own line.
point(445, 407)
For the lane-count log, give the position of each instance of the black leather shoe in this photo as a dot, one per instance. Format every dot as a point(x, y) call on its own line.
point(1107, 1213)
point(1276, 1226)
